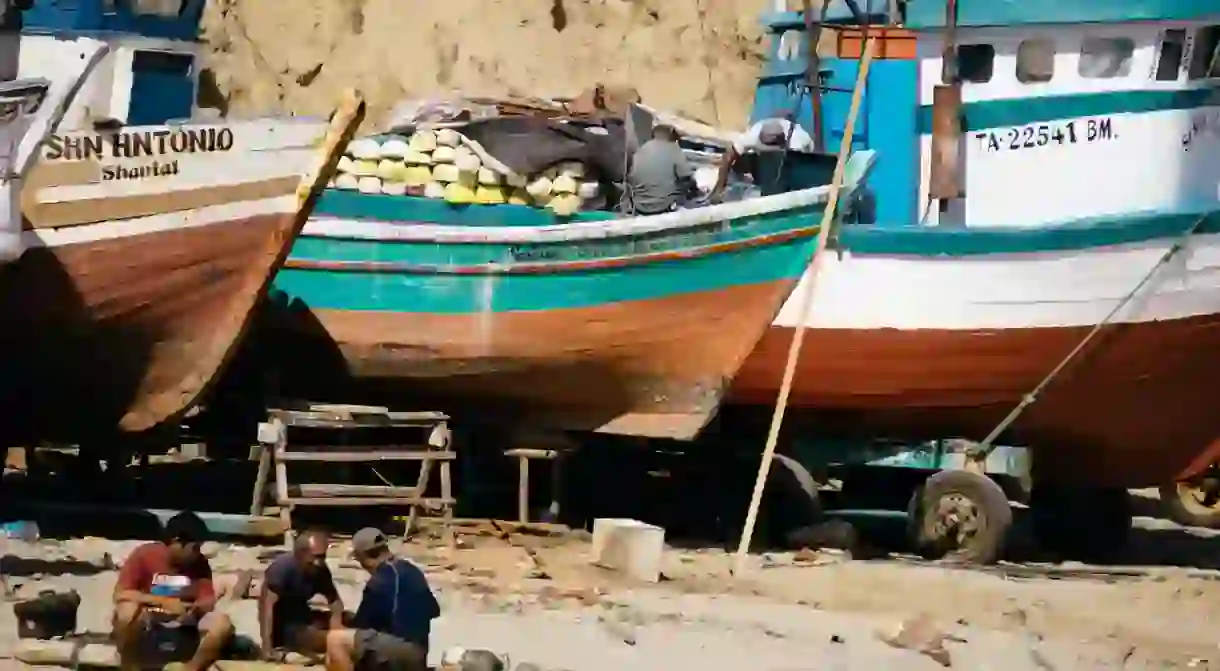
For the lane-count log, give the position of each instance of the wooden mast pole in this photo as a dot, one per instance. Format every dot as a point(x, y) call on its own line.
point(798, 337)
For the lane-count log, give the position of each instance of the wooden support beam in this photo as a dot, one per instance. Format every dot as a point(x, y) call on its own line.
point(396, 455)
point(424, 501)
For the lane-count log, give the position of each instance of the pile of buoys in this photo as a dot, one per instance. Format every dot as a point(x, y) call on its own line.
point(440, 164)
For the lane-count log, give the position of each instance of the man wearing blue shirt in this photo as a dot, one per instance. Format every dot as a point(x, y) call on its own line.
point(394, 620)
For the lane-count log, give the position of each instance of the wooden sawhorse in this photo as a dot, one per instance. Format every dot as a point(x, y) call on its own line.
point(276, 451)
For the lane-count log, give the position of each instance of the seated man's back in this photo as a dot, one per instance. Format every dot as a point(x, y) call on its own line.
point(660, 175)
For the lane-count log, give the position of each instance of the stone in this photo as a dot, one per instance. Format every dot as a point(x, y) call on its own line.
point(920, 634)
point(631, 547)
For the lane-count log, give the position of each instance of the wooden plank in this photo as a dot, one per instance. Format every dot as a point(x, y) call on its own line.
point(326, 421)
point(259, 497)
point(343, 411)
point(431, 502)
point(530, 453)
point(373, 450)
point(365, 456)
point(317, 490)
point(523, 489)
point(349, 408)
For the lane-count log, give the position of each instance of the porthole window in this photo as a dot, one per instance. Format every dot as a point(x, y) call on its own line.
point(789, 45)
point(1169, 58)
point(975, 63)
point(1106, 57)
point(1035, 61)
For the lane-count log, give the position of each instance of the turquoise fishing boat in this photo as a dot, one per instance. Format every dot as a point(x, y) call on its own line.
point(630, 325)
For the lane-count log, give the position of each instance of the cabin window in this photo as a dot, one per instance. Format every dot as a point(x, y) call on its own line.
point(1106, 57)
point(790, 45)
point(163, 62)
point(1203, 62)
point(1035, 61)
point(1169, 60)
point(975, 63)
point(166, 8)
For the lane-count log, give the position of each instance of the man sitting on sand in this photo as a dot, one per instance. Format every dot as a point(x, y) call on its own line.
point(285, 618)
point(394, 620)
point(169, 584)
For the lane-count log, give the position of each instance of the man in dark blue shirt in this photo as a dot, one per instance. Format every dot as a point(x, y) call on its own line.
point(394, 620)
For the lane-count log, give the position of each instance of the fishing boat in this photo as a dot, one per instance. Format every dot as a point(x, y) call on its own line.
point(30, 110)
point(1043, 264)
point(147, 246)
point(623, 325)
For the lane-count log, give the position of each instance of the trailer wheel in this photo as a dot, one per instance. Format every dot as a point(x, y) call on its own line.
point(1191, 504)
point(962, 514)
point(802, 491)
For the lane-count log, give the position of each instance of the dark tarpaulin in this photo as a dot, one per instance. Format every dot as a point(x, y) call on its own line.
point(529, 145)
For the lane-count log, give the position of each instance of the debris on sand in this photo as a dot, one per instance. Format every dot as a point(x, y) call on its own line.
point(920, 634)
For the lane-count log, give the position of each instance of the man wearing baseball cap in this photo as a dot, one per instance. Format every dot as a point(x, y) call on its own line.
point(766, 134)
point(394, 620)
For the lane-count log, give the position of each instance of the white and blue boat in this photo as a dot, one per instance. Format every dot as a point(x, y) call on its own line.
point(1079, 187)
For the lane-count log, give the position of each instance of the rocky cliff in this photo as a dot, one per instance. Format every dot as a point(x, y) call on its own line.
point(696, 57)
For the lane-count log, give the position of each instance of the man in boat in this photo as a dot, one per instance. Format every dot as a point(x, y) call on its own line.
point(165, 592)
point(768, 134)
point(285, 618)
point(660, 178)
point(394, 621)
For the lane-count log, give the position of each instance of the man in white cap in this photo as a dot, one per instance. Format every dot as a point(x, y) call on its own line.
point(766, 134)
point(394, 620)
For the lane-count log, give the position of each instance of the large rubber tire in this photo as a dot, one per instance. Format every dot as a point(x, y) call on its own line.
point(1179, 504)
point(799, 489)
point(790, 502)
point(990, 517)
point(1089, 525)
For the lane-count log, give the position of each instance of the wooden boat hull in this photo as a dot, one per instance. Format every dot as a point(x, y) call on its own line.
point(120, 334)
point(147, 251)
point(625, 368)
point(631, 327)
point(907, 343)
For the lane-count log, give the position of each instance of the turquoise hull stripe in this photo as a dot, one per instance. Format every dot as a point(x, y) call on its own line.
point(424, 276)
point(923, 14)
point(471, 294)
point(1001, 113)
point(1082, 234)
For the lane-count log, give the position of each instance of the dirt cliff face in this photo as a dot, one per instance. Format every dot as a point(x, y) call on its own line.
point(695, 57)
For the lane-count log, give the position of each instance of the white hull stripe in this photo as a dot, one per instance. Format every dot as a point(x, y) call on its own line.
point(1042, 289)
point(194, 172)
point(208, 216)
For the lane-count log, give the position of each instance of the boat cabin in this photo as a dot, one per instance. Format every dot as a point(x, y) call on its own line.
point(151, 74)
point(1054, 110)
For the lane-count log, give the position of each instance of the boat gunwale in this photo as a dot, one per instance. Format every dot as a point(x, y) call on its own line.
point(546, 267)
point(386, 230)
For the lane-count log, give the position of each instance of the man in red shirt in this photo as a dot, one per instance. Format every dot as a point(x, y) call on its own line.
point(169, 584)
